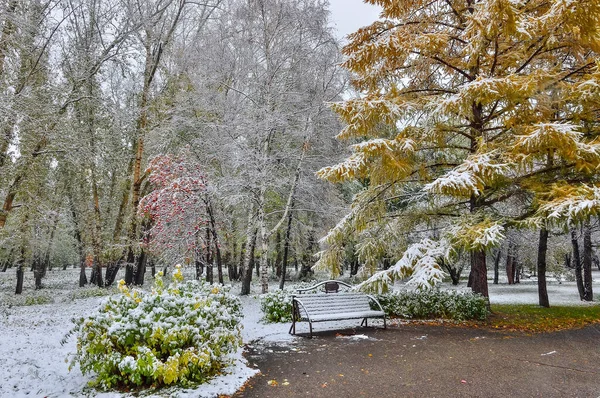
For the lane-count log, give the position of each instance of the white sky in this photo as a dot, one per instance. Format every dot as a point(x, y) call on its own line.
point(349, 15)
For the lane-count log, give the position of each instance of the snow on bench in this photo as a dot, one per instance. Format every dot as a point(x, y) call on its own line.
point(332, 306)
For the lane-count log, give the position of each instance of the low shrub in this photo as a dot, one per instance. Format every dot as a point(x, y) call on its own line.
point(434, 304)
point(38, 299)
point(276, 306)
point(91, 291)
point(182, 334)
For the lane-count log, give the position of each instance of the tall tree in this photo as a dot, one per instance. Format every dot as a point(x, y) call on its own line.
point(461, 102)
point(259, 120)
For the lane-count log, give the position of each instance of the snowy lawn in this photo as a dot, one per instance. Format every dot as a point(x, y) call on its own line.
point(34, 361)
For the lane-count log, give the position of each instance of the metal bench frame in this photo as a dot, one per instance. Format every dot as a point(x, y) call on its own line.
point(305, 302)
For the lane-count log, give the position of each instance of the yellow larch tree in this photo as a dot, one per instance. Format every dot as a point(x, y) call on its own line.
point(468, 110)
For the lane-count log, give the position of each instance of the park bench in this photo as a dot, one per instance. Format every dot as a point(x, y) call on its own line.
point(332, 306)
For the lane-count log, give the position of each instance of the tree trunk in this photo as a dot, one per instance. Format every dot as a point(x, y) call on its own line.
point(249, 252)
point(82, 277)
point(20, 272)
point(140, 268)
point(588, 294)
point(240, 267)
point(354, 266)
point(199, 268)
point(129, 267)
point(497, 257)
point(479, 273)
point(247, 277)
point(279, 254)
point(232, 260)
point(510, 264)
point(264, 251)
point(39, 270)
point(577, 263)
point(286, 247)
point(452, 271)
point(209, 260)
point(111, 272)
point(213, 228)
point(541, 268)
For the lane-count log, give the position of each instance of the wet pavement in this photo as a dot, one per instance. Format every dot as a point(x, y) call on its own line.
point(428, 361)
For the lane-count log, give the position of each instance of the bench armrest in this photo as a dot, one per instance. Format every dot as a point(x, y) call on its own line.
point(295, 308)
point(376, 301)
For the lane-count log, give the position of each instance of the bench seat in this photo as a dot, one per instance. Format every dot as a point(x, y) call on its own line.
point(347, 315)
point(333, 307)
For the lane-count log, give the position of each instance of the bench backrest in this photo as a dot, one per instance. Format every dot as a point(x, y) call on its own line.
point(337, 303)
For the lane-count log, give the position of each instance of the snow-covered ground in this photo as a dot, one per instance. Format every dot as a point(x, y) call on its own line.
point(34, 363)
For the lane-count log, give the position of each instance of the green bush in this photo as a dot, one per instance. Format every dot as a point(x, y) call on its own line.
point(38, 299)
point(276, 306)
point(91, 291)
point(177, 334)
point(434, 304)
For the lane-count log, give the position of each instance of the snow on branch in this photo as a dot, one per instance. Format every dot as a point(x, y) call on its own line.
point(469, 178)
point(487, 90)
point(395, 154)
point(354, 166)
point(474, 236)
point(362, 115)
point(564, 139)
point(420, 263)
point(572, 204)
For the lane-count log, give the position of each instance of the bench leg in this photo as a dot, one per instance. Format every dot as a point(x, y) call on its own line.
point(292, 327)
point(310, 327)
point(384, 324)
point(364, 322)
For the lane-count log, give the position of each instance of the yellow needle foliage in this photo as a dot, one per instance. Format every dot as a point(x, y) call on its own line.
point(468, 109)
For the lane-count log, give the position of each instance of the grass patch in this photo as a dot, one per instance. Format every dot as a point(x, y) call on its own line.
point(535, 319)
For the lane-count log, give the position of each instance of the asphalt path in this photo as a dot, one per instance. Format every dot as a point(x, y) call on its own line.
point(428, 361)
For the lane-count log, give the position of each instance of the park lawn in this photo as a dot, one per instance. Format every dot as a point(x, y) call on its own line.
point(536, 319)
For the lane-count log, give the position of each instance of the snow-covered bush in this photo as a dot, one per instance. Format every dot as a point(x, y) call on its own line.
point(91, 291)
point(38, 299)
point(276, 306)
point(182, 334)
point(434, 304)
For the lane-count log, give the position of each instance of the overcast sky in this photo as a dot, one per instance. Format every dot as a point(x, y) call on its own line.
point(349, 15)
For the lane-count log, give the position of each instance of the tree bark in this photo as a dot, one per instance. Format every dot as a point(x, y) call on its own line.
point(82, 277)
point(250, 249)
point(497, 257)
point(112, 270)
point(479, 273)
point(19, 288)
point(286, 248)
point(510, 263)
point(209, 259)
point(541, 268)
point(577, 263)
point(141, 268)
point(248, 253)
point(217, 243)
point(588, 294)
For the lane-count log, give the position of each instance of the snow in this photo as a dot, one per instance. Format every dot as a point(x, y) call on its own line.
point(34, 361)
